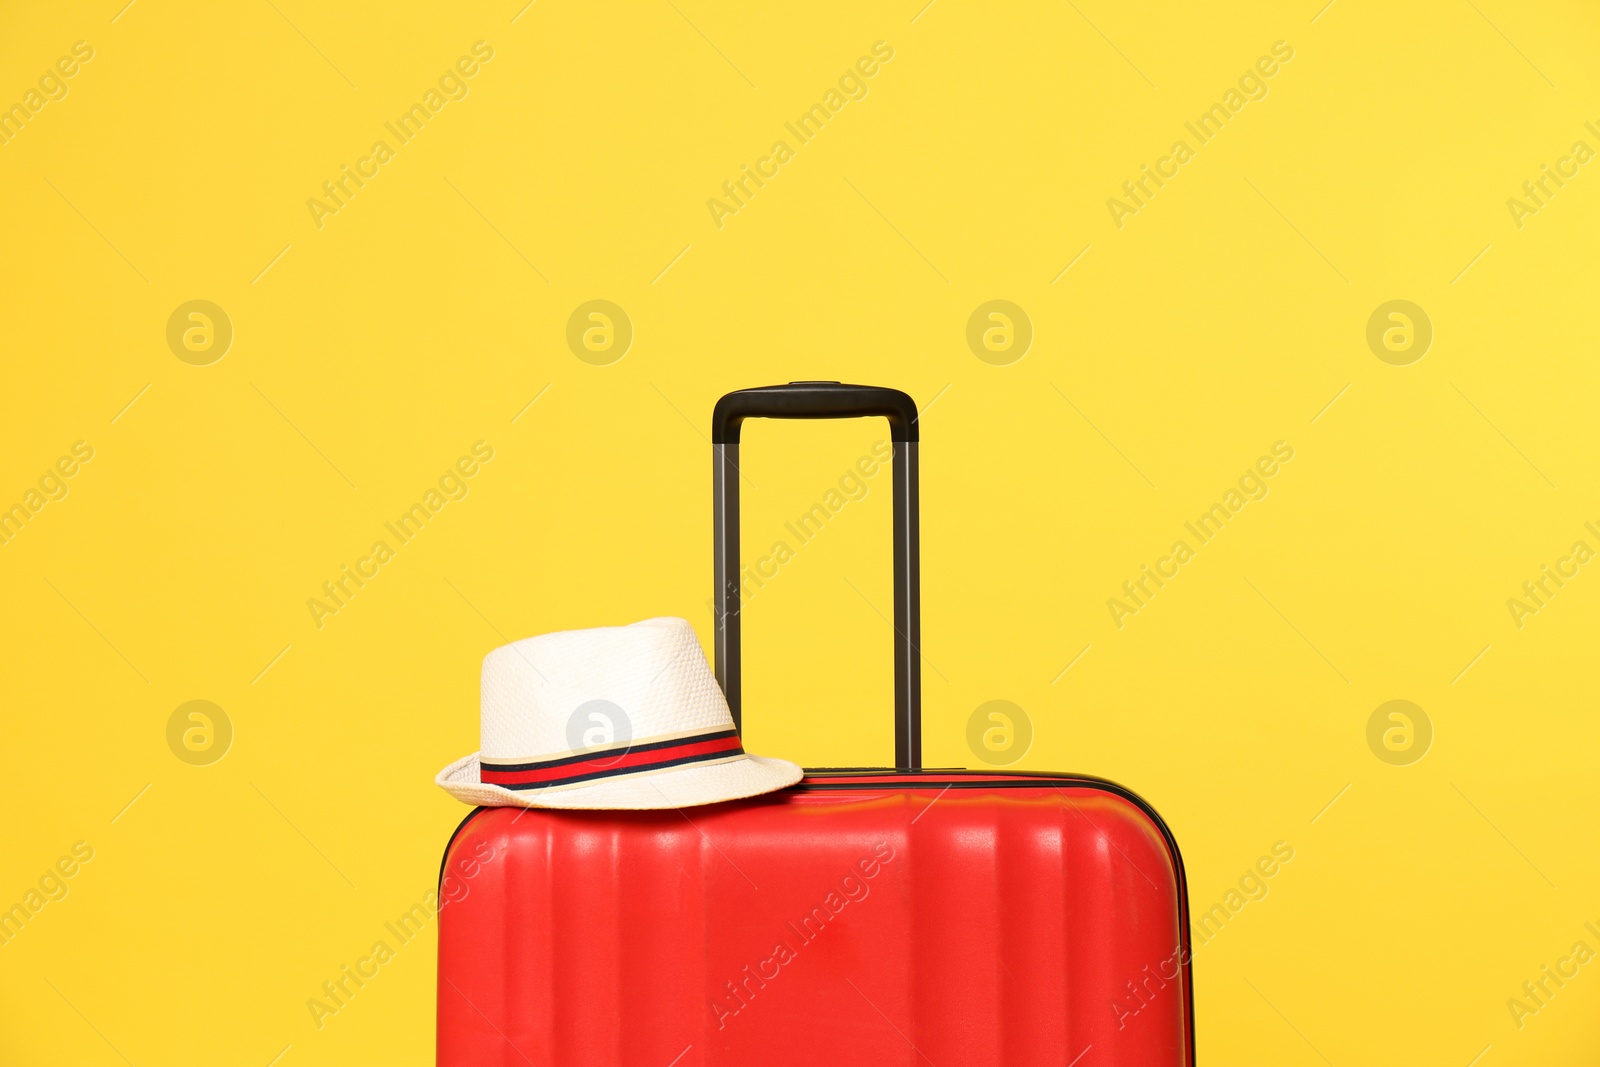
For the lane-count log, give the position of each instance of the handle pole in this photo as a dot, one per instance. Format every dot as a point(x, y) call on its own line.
point(907, 609)
point(824, 400)
point(725, 527)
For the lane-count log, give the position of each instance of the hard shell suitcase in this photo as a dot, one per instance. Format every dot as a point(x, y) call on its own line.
point(905, 916)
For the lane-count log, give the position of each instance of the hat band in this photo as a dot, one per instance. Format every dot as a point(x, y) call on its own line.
point(626, 758)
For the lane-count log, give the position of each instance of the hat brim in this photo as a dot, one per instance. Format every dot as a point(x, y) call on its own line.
point(678, 787)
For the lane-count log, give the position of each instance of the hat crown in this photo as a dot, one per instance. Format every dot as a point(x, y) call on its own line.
point(566, 692)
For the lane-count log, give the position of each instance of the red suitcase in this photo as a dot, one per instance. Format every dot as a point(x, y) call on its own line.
point(907, 916)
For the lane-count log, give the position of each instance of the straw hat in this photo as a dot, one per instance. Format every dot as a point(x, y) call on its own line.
point(620, 717)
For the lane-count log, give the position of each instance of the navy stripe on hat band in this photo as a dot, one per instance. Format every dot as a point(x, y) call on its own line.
point(618, 749)
point(617, 772)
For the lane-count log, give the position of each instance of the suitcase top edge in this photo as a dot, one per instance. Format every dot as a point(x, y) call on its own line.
point(851, 778)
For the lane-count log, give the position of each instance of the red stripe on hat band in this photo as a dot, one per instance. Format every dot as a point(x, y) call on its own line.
point(605, 765)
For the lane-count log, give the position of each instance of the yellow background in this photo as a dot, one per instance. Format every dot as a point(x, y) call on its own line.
point(430, 311)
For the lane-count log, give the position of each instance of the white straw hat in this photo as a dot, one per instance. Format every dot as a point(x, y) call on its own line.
point(623, 717)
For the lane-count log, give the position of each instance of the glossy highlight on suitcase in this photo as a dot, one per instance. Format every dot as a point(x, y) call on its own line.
point(905, 916)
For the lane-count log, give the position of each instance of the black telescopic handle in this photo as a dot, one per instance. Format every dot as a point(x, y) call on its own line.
point(824, 400)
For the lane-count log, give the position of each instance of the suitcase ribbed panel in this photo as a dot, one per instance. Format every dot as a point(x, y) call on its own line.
point(866, 920)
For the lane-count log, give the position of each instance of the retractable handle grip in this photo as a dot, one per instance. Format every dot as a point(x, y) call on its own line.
point(814, 400)
point(824, 400)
